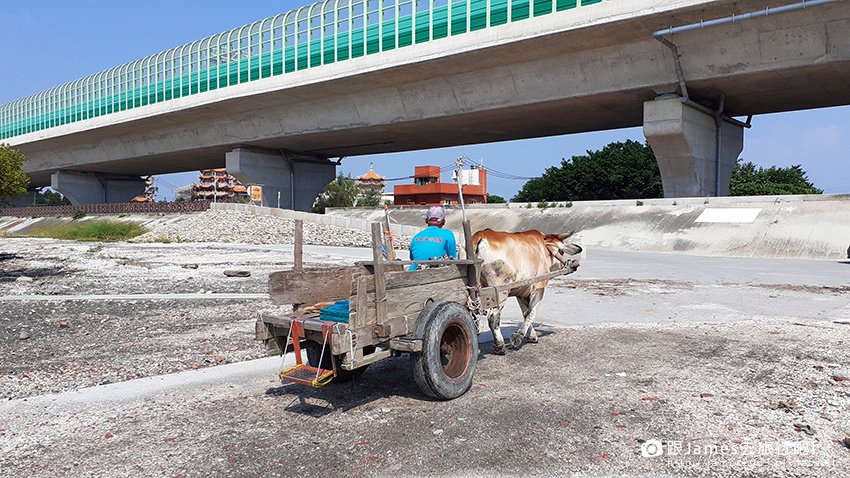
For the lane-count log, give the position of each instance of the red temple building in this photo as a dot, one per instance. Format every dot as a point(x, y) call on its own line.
point(428, 190)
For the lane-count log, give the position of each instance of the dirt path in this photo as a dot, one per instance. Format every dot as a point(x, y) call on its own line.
point(583, 400)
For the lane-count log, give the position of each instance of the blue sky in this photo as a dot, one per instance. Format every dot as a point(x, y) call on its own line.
point(48, 42)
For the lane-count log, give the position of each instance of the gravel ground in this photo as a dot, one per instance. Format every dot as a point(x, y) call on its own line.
point(79, 344)
point(75, 344)
point(66, 267)
point(745, 369)
point(584, 401)
point(249, 228)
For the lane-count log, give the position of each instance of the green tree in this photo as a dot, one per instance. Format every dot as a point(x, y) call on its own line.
point(48, 197)
point(368, 196)
point(13, 181)
point(341, 192)
point(493, 199)
point(620, 170)
point(751, 180)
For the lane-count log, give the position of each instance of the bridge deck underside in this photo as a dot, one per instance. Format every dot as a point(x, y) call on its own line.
point(575, 81)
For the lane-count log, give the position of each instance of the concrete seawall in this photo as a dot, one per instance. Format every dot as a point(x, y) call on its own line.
point(814, 227)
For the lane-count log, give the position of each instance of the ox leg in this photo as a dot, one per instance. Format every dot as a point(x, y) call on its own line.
point(494, 317)
point(531, 336)
point(529, 311)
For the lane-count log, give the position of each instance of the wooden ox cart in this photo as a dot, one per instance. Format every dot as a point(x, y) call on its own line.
point(431, 313)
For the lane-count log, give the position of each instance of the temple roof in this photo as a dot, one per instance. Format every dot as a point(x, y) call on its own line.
point(371, 175)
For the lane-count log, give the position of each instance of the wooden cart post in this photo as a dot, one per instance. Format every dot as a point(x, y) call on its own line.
point(470, 253)
point(389, 236)
point(473, 271)
point(299, 245)
point(380, 278)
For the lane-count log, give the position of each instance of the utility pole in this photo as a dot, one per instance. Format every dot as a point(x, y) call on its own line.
point(459, 170)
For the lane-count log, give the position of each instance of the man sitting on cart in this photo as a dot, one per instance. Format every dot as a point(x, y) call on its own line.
point(434, 242)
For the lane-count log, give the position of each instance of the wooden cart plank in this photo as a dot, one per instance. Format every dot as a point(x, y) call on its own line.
point(403, 279)
point(311, 286)
point(430, 263)
point(360, 306)
point(410, 301)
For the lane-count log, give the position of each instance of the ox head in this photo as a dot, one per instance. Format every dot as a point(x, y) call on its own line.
point(558, 247)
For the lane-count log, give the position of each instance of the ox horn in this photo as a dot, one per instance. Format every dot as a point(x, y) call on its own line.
point(565, 235)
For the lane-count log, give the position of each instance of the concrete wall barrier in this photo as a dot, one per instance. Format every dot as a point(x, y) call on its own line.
point(811, 226)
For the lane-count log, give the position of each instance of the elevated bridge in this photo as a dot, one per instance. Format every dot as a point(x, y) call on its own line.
point(274, 100)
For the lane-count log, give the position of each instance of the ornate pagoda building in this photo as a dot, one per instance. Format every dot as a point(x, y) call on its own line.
point(374, 180)
point(217, 185)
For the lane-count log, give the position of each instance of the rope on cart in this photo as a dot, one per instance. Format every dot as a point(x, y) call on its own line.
point(473, 304)
point(285, 348)
point(325, 332)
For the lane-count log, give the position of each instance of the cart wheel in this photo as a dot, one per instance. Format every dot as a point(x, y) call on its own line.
point(445, 366)
point(313, 354)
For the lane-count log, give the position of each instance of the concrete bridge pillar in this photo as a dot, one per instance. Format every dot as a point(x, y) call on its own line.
point(297, 178)
point(684, 141)
point(96, 188)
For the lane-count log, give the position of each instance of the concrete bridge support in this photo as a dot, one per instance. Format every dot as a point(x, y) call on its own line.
point(96, 188)
point(297, 178)
point(685, 141)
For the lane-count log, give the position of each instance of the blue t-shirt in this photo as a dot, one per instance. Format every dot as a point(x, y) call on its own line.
point(432, 243)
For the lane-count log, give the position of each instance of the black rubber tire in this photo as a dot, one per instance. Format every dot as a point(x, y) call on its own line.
point(445, 367)
point(342, 376)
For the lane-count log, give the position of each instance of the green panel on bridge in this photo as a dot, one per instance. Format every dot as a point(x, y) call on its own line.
point(459, 17)
point(498, 12)
point(478, 15)
point(519, 10)
point(542, 7)
point(318, 37)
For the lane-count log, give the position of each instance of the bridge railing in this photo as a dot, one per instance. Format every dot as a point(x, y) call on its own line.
point(313, 35)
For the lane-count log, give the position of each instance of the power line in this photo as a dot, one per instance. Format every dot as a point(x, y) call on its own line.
point(402, 178)
point(497, 173)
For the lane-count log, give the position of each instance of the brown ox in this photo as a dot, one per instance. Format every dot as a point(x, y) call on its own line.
point(510, 257)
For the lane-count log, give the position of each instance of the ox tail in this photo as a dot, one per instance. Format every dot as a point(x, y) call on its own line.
point(477, 243)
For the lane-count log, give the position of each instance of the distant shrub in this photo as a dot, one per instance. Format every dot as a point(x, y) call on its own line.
point(106, 231)
point(78, 215)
